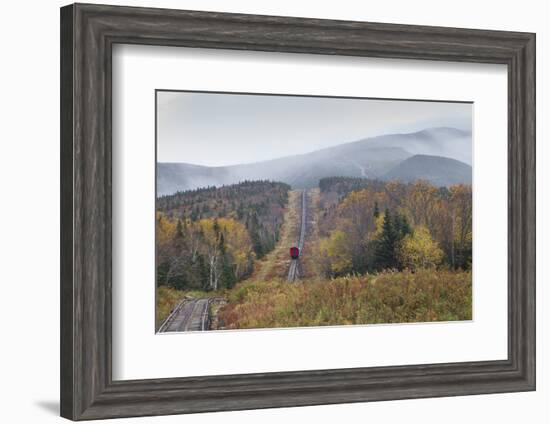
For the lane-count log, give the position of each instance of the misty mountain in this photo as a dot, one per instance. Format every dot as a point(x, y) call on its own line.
point(368, 158)
point(443, 141)
point(300, 171)
point(440, 171)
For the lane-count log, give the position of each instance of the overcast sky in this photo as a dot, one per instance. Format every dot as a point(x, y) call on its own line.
point(227, 129)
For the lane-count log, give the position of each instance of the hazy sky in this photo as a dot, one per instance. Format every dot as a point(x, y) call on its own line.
point(227, 129)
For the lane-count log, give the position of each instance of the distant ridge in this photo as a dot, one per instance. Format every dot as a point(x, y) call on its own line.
point(373, 157)
point(440, 171)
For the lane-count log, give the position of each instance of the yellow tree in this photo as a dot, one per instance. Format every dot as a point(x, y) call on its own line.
point(378, 228)
point(238, 245)
point(461, 209)
point(166, 228)
point(356, 212)
point(336, 249)
point(210, 230)
point(419, 250)
point(395, 193)
point(225, 237)
point(421, 202)
point(357, 220)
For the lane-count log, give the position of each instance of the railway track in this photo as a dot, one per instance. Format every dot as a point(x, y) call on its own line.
point(293, 270)
point(189, 315)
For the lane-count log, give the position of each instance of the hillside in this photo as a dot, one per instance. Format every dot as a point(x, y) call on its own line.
point(259, 205)
point(439, 171)
point(367, 158)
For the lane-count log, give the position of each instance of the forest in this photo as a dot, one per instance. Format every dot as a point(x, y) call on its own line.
point(372, 226)
point(209, 238)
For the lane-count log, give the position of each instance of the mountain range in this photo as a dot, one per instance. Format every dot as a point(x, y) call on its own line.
point(440, 155)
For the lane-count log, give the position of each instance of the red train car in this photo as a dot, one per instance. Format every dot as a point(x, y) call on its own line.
point(294, 252)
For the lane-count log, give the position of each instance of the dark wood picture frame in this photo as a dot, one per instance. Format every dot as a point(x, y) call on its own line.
point(88, 33)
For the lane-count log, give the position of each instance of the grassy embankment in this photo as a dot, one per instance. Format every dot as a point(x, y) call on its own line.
point(309, 268)
point(399, 297)
point(275, 264)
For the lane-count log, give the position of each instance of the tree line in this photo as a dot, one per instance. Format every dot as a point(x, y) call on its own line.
point(345, 185)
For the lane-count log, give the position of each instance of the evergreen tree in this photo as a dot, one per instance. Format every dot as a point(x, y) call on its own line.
point(385, 247)
point(240, 212)
point(221, 244)
point(228, 278)
point(376, 210)
point(254, 231)
point(402, 226)
point(179, 229)
point(202, 268)
point(162, 271)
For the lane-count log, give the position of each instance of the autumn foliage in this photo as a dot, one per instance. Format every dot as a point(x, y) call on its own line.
point(208, 239)
point(376, 252)
point(379, 226)
point(391, 297)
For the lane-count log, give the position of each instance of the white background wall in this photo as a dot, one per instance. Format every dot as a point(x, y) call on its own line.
point(29, 215)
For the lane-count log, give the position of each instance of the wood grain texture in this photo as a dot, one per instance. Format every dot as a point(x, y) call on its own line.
point(66, 214)
point(88, 33)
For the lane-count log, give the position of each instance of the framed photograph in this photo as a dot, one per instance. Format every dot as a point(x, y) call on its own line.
point(263, 211)
point(308, 228)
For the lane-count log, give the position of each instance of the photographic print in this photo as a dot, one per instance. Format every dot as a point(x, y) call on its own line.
point(281, 211)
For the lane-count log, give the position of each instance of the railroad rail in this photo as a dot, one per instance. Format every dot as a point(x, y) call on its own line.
point(293, 270)
point(189, 315)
